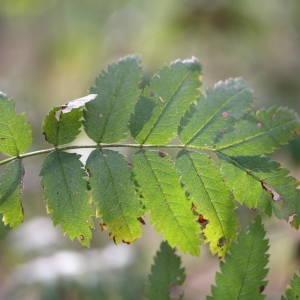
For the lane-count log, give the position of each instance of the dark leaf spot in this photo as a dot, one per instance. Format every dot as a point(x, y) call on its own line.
point(141, 220)
point(253, 208)
point(261, 288)
point(130, 165)
point(151, 94)
point(114, 240)
point(201, 219)
point(125, 242)
point(2, 139)
point(162, 154)
point(81, 237)
point(193, 207)
point(89, 172)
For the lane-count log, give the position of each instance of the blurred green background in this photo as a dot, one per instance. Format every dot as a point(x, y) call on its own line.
point(50, 53)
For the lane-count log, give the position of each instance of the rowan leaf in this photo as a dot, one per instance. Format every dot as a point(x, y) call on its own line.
point(212, 115)
point(275, 189)
point(114, 193)
point(15, 133)
point(243, 272)
point(293, 292)
point(260, 133)
point(165, 273)
point(62, 128)
point(65, 191)
point(106, 118)
point(162, 195)
point(160, 107)
point(11, 188)
point(210, 198)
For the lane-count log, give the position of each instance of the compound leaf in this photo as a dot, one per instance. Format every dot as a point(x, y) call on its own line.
point(243, 272)
point(210, 198)
point(15, 133)
point(62, 128)
point(65, 191)
point(260, 133)
point(107, 117)
point(214, 113)
point(11, 187)
point(161, 193)
point(293, 292)
point(159, 109)
point(165, 273)
point(114, 193)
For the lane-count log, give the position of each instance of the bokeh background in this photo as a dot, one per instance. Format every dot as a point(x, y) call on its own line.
point(50, 53)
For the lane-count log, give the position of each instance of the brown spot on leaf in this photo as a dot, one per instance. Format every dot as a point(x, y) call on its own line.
point(202, 220)
point(225, 114)
point(130, 165)
point(151, 94)
point(81, 237)
point(162, 154)
point(103, 226)
point(193, 207)
point(259, 124)
point(253, 208)
point(261, 288)
point(125, 242)
point(2, 139)
point(141, 220)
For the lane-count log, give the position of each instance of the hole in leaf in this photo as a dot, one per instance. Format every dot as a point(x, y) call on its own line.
point(171, 161)
point(258, 124)
point(130, 165)
point(275, 196)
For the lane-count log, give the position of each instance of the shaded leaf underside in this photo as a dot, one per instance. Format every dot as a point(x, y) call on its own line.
point(11, 187)
point(114, 193)
point(65, 191)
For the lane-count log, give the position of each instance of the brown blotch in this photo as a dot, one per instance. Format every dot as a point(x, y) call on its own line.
point(162, 154)
point(103, 226)
point(130, 165)
point(151, 94)
point(202, 220)
point(141, 220)
point(193, 207)
point(125, 242)
point(81, 237)
point(2, 139)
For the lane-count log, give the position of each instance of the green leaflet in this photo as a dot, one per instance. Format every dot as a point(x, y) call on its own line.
point(15, 133)
point(11, 187)
point(162, 195)
point(107, 117)
point(244, 186)
point(213, 114)
point(61, 128)
point(65, 191)
point(276, 189)
point(165, 273)
point(260, 133)
point(210, 197)
point(243, 271)
point(114, 193)
point(293, 291)
point(159, 109)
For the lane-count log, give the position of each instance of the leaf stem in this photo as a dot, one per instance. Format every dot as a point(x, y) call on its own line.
point(45, 151)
